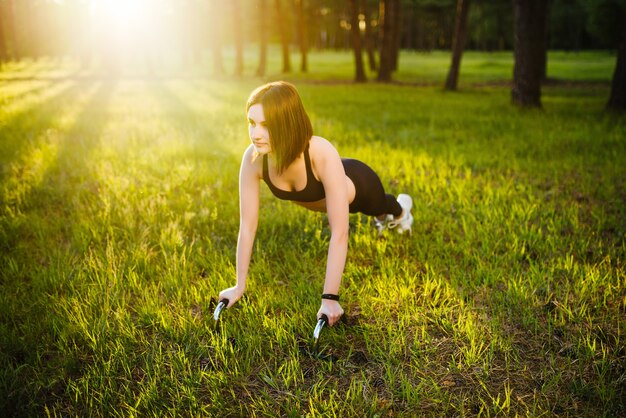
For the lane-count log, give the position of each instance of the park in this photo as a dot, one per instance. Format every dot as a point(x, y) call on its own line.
point(119, 215)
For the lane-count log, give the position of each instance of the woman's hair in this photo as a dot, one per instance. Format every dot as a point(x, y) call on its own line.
point(288, 124)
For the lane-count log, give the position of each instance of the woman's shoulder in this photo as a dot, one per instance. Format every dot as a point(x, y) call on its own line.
point(252, 160)
point(319, 146)
point(249, 152)
point(322, 153)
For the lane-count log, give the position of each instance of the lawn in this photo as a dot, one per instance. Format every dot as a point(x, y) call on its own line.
point(119, 219)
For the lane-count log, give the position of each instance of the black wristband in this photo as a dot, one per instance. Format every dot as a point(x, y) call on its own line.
point(330, 296)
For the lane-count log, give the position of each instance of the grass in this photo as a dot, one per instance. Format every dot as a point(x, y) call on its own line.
point(330, 66)
point(118, 223)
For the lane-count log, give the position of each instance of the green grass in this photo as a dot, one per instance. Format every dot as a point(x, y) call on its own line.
point(118, 224)
point(338, 66)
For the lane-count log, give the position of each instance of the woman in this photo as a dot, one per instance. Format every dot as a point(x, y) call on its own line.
point(306, 169)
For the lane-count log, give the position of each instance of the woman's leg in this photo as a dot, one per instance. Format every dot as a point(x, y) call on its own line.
point(370, 197)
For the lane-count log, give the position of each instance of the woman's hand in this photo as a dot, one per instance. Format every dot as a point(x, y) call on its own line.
point(233, 294)
point(332, 309)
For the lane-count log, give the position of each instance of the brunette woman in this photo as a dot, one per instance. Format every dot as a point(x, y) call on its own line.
point(306, 169)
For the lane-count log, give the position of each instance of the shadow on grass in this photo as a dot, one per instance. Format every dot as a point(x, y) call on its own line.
point(33, 364)
point(25, 93)
point(182, 117)
point(21, 128)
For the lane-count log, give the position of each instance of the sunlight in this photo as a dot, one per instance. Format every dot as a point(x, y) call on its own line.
point(124, 28)
point(124, 13)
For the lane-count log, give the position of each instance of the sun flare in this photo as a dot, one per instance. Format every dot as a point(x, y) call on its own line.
point(123, 12)
point(127, 27)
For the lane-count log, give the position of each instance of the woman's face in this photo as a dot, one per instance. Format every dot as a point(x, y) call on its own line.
point(257, 129)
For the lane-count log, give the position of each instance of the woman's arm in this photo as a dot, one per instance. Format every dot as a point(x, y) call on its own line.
point(332, 174)
point(248, 221)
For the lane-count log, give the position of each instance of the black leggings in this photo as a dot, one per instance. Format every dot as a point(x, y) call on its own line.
point(370, 197)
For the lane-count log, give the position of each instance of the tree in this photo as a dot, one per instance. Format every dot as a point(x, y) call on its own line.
point(260, 72)
point(369, 36)
point(430, 24)
point(3, 48)
point(607, 22)
point(388, 19)
point(216, 37)
point(567, 25)
point(617, 99)
point(359, 76)
point(238, 36)
point(491, 24)
point(529, 40)
point(190, 21)
point(458, 43)
point(396, 33)
point(284, 36)
point(543, 64)
point(302, 36)
point(11, 40)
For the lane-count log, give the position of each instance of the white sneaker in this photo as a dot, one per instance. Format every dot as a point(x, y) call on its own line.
point(406, 220)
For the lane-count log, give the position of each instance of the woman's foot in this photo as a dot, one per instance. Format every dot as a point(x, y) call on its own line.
point(405, 220)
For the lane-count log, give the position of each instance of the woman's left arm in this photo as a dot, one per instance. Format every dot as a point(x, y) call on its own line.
point(332, 175)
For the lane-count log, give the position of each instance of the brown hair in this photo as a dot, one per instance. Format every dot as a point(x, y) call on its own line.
point(288, 124)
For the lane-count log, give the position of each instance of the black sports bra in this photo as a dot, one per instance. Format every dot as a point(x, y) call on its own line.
point(312, 192)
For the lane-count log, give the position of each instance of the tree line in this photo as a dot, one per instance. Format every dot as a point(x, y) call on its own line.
point(376, 30)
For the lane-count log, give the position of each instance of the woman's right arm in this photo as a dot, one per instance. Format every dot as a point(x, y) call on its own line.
point(249, 179)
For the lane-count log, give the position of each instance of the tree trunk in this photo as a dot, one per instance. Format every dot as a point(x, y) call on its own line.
point(386, 39)
point(190, 14)
point(369, 36)
point(458, 43)
point(216, 41)
point(356, 42)
point(4, 56)
point(260, 72)
point(544, 53)
point(11, 39)
point(617, 100)
point(396, 32)
point(284, 36)
point(238, 36)
point(529, 43)
point(302, 36)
